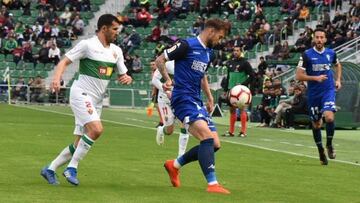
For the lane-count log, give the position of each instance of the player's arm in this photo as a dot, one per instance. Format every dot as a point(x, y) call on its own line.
point(338, 73)
point(176, 52)
point(123, 77)
point(78, 52)
point(60, 68)
point(301, 72)
point(156, 80)
point(206, 89)
point(250, 72)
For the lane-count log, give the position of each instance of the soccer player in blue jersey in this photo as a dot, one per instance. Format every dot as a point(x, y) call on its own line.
point(315, 68)
point(192, 57)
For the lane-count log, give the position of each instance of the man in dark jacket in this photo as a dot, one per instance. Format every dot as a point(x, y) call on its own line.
point(298, 106)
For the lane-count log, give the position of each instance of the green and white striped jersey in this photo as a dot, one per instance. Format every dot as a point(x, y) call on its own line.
point(97, 64)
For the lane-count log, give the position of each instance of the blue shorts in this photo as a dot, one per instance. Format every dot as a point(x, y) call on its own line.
point(318, 104)
point(188, 110)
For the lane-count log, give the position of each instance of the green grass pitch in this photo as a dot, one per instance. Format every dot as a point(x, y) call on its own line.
point(126, 165)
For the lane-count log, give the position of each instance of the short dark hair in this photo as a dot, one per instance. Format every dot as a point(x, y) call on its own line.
point(218, 24)
point(107, 20)
point(320, 29)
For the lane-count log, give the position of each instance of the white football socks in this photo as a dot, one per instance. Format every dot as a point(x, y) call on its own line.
point(81, 150)
point(64, 156)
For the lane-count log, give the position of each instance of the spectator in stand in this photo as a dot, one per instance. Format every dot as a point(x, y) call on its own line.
point(43, 55)
point(37, 90)
point(264, 107)
point(301, 44)
point(276, 51)
point(17, 54)
point(37, 28)
point(19, 92)
point(262, 66)
point(298, 106)
point(9, 45)
point(136, 64)
point(304, 13)
point(65, 17)
point(287, 6)
point(355, 9)
point(143, 18)
point(46, 31)
point(78, 25)
point(27, 52)
point(134, 3)
point(51, 16)
point(245, 14)
point(155, 33)
point(54, 54)
point(41, 18)
point(132, 41)
point(284, 51)
point(337, 41)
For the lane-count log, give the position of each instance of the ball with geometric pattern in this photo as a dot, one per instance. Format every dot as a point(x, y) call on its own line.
point(240, 96)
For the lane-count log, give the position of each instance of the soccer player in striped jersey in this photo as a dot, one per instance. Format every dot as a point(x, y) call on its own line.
point(98, 57)
point(315, 68)
point(192, 57)
point(166, 111)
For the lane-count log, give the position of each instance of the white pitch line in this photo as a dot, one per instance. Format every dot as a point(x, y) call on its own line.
point(232, 142)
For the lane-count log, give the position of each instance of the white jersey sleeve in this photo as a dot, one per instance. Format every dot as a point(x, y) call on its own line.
point(170, 66)
point(78, 52)
point(120, 63)
point(156, 80)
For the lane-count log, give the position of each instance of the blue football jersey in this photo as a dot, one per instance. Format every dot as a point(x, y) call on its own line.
point(191, 61)
point(319, 63)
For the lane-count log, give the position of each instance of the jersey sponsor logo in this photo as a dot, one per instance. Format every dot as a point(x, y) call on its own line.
point(196, 52)
point(199, 66)
point(105, 70)
point(320, 67)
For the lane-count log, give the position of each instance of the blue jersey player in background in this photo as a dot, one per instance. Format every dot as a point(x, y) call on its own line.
point(315, 68)
point(192, 57)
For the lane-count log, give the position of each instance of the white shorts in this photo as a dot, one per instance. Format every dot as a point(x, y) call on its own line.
point(166, 113)
point(85, 109)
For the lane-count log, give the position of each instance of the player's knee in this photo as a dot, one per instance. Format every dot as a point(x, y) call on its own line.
point(97, 130)
point(329, 119)
point(169, 129)
point(316, 125)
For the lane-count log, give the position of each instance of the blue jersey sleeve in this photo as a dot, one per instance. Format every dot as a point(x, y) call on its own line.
point(177, 51)
point(335, 61)
point(303, 62)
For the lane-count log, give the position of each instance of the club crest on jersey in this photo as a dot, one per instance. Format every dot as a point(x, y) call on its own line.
point(114, 55)
point(328, 57)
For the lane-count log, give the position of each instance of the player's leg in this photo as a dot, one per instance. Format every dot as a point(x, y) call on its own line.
point(88, 115)
point(328, 112)
point(243, 119)
point(49, 172)
point(316, 117)
point(200, 130)
point(168, 118)
point(183, 140)
point(330, 130)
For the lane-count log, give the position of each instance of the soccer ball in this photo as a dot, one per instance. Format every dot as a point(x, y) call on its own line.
point(240, 96)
